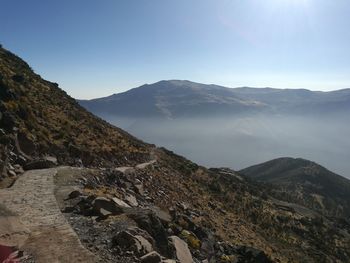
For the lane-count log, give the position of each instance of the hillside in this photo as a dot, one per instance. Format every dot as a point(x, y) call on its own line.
point(309, 183)
point(132, 202)
point(39, 119)
point(183, 99)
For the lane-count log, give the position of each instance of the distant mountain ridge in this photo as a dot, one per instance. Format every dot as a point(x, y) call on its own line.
point(182, 98)
point(311, 184)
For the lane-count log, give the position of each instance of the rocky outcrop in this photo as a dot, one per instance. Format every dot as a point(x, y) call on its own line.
point(181, 251)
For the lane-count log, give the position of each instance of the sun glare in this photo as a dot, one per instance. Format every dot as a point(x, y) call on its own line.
point(295, 3)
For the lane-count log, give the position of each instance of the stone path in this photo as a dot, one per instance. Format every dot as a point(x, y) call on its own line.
point(36, 223)
point(126, 169)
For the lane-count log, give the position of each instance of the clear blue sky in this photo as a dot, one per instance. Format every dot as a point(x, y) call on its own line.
point(95, 48)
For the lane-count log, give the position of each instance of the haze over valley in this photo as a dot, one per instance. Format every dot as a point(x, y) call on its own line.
point(218, 126)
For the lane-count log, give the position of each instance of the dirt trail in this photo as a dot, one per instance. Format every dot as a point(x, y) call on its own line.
point(31, 220)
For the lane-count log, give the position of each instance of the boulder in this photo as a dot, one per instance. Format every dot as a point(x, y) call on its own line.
point(107, 205)
point(137, 244)
point(131, 200)
point(152, 257)
point(120, 203)
point(149, 222)
point(135, 231)
point(181, 250)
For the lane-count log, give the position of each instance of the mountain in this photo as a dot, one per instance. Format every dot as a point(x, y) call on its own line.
point(309, 183)
point(179, 99)
point(102, 195)
point(171, 99)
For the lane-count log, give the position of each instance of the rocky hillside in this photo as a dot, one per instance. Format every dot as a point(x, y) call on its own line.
point(221, 217)
point(306, 182)
point(38, 119)
point(131, 202)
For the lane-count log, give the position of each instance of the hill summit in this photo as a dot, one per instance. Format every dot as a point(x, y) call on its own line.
point(309, 183)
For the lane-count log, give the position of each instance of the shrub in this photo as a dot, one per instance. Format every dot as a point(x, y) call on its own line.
point(18, 78)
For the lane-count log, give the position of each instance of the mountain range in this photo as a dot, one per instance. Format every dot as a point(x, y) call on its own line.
point(185, 99)
point(74, 188)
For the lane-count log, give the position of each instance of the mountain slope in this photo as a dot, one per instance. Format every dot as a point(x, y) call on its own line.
point(176, 99)
point(311, 184)
point(217, 213)
point(37, 118)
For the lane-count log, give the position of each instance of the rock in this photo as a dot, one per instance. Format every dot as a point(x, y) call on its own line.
point(18, 169)
point(152, 257)
point(135, 231)
point(183, 206)
point(107, 205)
point(146, 245)
point(120, 203)
point(131, 200)
point(164, 216)
point(74, 194)
point(169, 261)
point(51, 159)
point(181, 251)
point(21, 160)
point(149, 222)
point(139, 188)
point(104, 213)
point(136, 244)
point(253, 255)
point(25, 143)
point(11, 173)
point(84, 206)
point(39, 164)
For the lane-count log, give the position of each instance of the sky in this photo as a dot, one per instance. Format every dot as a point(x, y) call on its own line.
point(97, 48)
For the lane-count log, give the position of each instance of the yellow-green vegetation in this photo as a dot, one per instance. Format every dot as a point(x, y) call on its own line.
point(191, 239)
point(226, 258)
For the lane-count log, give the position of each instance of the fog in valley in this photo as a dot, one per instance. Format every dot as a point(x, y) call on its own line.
point(240, 142)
